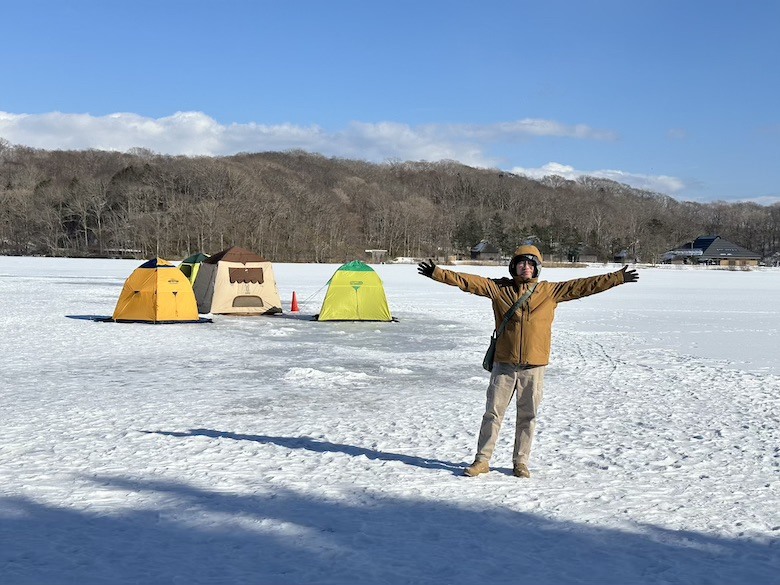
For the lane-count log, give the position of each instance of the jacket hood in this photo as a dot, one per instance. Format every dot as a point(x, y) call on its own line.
point(526, 250)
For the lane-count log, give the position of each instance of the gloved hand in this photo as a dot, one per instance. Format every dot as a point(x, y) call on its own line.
point(426, 268)
point(629, 275)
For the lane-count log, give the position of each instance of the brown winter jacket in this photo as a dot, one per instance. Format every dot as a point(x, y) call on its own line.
point(526, 339)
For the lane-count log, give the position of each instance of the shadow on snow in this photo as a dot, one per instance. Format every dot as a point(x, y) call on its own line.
point(195, 535)
point(318, 446)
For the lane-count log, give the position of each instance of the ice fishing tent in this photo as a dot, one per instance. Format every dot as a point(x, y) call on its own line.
point(237, 282)
point(355, 293)
point(156, 292)
point(191, 265)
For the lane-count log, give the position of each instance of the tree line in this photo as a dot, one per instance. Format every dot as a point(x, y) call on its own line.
point(296, 206)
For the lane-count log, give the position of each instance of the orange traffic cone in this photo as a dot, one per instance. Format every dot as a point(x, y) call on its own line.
point(294, 305)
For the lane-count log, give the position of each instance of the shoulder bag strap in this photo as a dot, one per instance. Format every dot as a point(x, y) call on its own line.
point(521, 301)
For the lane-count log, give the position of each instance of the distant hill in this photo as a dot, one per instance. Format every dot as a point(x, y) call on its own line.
point(299, 206)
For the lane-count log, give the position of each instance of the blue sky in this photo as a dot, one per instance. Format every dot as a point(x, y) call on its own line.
point(679, 97)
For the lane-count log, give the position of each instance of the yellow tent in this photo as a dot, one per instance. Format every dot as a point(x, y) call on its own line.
point(355, 293)
point(157, 292)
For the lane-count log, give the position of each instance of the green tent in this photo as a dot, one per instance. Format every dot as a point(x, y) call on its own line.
point(191, 264)
point(355, 293)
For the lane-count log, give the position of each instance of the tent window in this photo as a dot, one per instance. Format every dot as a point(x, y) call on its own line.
point(246, 275)
point(248, 301)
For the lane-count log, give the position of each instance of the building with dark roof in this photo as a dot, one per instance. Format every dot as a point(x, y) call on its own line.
point(485, 251)
point(712, 250)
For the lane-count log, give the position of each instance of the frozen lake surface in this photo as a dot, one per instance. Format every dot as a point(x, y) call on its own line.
point(281, 450)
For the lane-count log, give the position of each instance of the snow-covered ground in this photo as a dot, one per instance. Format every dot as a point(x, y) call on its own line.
point(281, 450)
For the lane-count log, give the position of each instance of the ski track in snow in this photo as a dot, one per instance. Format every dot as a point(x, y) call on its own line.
point(283, 450)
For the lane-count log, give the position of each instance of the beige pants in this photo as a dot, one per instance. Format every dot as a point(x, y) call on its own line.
point(507, 380)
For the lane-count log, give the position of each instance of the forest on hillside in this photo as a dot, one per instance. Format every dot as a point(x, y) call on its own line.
point(296, 206)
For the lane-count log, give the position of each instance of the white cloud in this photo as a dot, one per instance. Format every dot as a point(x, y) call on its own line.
point(766, 200)
point(523, 129)
point(195, 133)
point(658, 183)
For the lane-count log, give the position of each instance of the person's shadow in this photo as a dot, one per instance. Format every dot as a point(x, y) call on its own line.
point(320, 446)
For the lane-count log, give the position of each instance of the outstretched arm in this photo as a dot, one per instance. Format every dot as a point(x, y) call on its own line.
point(471, 283)
point(583, 287)
point(629, 275)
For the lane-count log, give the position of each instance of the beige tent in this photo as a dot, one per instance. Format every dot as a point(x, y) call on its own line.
point(237, 282)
